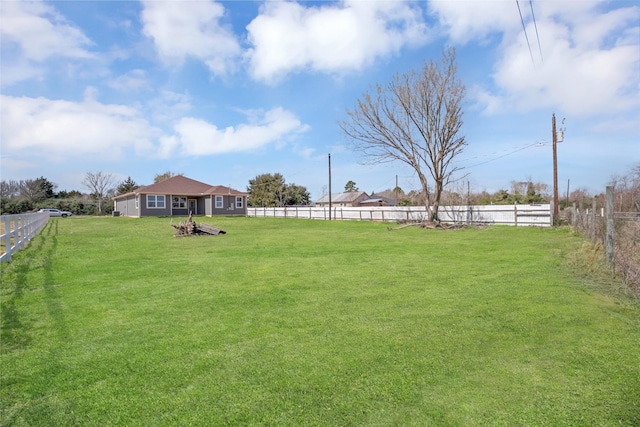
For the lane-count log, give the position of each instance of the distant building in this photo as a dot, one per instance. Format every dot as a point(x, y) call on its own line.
point(378, 201)
point(348, 199)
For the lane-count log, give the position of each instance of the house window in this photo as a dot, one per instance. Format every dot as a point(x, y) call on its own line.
point(239, 202)
point(179, 203)
point(137, 202)
point(155, 202)
point(219, 204)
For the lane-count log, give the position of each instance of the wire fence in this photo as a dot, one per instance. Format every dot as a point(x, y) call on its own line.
point(618, 232)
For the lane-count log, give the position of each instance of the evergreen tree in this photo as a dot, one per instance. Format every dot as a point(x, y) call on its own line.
point(350, 186)
point(127, 186)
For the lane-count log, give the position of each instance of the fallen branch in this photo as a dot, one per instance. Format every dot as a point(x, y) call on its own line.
point(190, 228)
point(432, 225)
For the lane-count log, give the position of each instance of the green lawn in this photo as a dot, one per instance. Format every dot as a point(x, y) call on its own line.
point(113, 321)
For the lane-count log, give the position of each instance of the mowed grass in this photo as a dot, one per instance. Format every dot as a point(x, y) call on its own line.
point(112, 321)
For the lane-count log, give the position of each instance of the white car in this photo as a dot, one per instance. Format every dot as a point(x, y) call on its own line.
point(56, 212)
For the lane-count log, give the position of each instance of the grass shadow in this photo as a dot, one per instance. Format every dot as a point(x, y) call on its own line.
point(15, 328)
point(54, 307)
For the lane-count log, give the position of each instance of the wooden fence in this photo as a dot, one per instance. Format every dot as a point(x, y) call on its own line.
point(516, 215)
point(18, 230)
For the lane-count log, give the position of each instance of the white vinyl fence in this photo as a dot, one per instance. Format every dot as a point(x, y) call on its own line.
point(18, 230)
point(517, 215)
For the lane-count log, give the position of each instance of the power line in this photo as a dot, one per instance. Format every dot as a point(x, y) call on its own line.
point(538, 144)
point(536, 27)
point(525, 34)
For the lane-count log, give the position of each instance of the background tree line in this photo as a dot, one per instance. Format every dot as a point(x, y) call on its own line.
point(271, 190)
point(33, 194)
point(19, 196)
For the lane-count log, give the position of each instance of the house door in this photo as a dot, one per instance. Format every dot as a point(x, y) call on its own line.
point(193, 206)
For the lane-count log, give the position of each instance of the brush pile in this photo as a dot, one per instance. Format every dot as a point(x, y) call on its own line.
point(190, 228)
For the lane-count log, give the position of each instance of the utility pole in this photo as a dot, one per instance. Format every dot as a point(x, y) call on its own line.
point(329, 186)
point(556, 208)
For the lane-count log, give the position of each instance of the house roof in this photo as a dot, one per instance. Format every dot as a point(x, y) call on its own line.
point(375, 200)
point(182, 186)
point(347, 197)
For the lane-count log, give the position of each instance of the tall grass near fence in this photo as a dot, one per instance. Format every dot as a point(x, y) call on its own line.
point(626, 240)
point(112, 321)
point(627, 251)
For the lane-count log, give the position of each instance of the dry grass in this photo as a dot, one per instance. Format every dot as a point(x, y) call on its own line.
point(627, 253)
point(626, 263)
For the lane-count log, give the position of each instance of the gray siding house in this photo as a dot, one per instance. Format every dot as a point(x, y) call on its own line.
point(348, 199)
point(378, 201)
point(181, 196)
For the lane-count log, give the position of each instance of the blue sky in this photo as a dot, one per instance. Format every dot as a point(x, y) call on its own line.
point(225, 91)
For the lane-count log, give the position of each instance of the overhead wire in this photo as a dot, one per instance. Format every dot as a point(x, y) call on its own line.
point(524, 28)
point(538, 144)
point(535, 25)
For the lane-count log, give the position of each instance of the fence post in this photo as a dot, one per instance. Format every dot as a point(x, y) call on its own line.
point(19, 230)
point(609, 232)
point(7, 236)
point(593, 221)
point(15, 232)
point(515, 214)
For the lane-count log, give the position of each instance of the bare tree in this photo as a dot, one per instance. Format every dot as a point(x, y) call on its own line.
point(99, 184)
point(36, 190)
point(9, 189)
point(163, 176)
point(627, 188)
point(415, 119)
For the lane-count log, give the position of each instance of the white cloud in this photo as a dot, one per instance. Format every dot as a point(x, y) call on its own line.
point(33, 32)
point(465, 21)
point(196, 137)
point(589, 63)
point(41, 32)
point(169, 106)
point(17, 71)
point(287, 36)
point(306, 153)
point(181, 30)
point(64, 129)
point(133, 80)
point(578, 81)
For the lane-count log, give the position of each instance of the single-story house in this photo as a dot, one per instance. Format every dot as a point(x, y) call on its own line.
point(181, 196)
point(378, 201)
point(348, 199)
